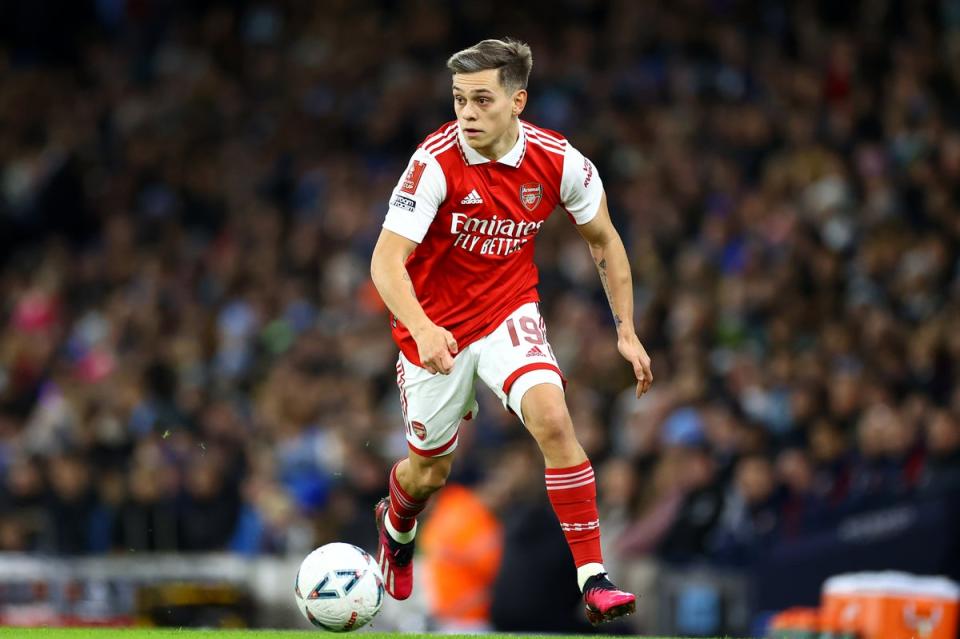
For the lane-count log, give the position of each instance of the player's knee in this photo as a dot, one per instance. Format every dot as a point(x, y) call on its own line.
point(432, 476)
point(432, 479)
point(436, 479)
point(550, 425)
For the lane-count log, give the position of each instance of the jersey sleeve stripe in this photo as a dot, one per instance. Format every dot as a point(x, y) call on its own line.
point(439, 133)
point(443, 148)
point(535, 136)
point(439, 141)
point(545, 142)
point(544, 136)
point(549, 149)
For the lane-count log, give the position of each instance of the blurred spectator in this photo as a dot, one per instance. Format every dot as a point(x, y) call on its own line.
point(678, 475)
point(800, 505)
point(210, 505)
point(192, 356)
point(14, 536)
point(699, 511)
point(942, 472)
point(269, 522)
point(23, 503)
point(72, 506)
point(147, 518)
point(831, 463)
point(534, 590)
point(361, 486)
point(617, 493)
point(750, 515)
point(890, 457)
point(462, 543)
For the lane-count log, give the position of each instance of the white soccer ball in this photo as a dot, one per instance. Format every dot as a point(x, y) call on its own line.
point(339, 587)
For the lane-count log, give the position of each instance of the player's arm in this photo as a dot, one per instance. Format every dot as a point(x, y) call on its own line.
point(581, 192)
point(413, 205)
point(610, 256)
point(389, 272)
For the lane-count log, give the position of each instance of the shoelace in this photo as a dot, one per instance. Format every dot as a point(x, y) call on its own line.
point(598, 582)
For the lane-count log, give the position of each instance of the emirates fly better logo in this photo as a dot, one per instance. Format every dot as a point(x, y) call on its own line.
point(493, 236)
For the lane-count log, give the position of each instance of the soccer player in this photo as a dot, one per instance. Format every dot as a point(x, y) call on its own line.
point(454, 264)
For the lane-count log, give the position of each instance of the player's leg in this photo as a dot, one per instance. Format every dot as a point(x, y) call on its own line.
point(433, 406)
point(421, 476)
point(516, 361)
point(572, 490)
point(412, 481)
point(543, 410)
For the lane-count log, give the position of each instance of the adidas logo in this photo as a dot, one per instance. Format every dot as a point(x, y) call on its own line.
point(472, 198)
point(535, 352)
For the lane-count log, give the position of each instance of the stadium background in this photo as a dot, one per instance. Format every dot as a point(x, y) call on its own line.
point(193, 358)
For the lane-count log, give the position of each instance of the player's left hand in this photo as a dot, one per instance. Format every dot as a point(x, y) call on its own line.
point(634, 352)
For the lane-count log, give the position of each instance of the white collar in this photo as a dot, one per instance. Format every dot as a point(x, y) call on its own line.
point(513, 157)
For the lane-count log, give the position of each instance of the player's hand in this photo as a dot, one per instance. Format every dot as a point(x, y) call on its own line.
point(634, 352)
point(436, 347)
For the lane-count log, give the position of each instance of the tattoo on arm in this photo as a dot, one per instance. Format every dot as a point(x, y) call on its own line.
point(602, 269)
point(406, 276)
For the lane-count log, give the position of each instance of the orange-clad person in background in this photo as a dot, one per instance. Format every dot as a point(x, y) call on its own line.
point(462, 543)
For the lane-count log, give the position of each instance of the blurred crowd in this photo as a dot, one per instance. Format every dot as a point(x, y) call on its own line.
point(192, 356)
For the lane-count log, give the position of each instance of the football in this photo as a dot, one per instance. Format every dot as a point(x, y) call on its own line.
point(339, 587)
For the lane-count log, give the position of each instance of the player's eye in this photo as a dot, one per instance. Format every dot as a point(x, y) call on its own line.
point(483, 100)
point(459, 99)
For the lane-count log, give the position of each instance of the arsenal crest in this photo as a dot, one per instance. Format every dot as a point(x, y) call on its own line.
point(530, 195)
point(419, 430)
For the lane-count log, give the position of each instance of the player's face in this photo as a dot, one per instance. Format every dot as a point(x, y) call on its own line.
point(485, 111)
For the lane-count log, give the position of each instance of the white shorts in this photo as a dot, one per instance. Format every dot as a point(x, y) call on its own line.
point(510, 361)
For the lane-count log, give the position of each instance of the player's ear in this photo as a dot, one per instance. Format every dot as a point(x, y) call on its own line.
point(519, 101)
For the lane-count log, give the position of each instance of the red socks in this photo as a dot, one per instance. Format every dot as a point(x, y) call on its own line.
point(403, 508)
point(573, 493)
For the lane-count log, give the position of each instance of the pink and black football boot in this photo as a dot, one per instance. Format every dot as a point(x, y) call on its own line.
point(604, 601)
point(395, 559)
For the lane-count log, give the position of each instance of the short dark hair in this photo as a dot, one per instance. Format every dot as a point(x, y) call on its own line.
point(512, 58)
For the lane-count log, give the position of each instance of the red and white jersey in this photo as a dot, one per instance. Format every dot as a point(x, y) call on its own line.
point(475, 220)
